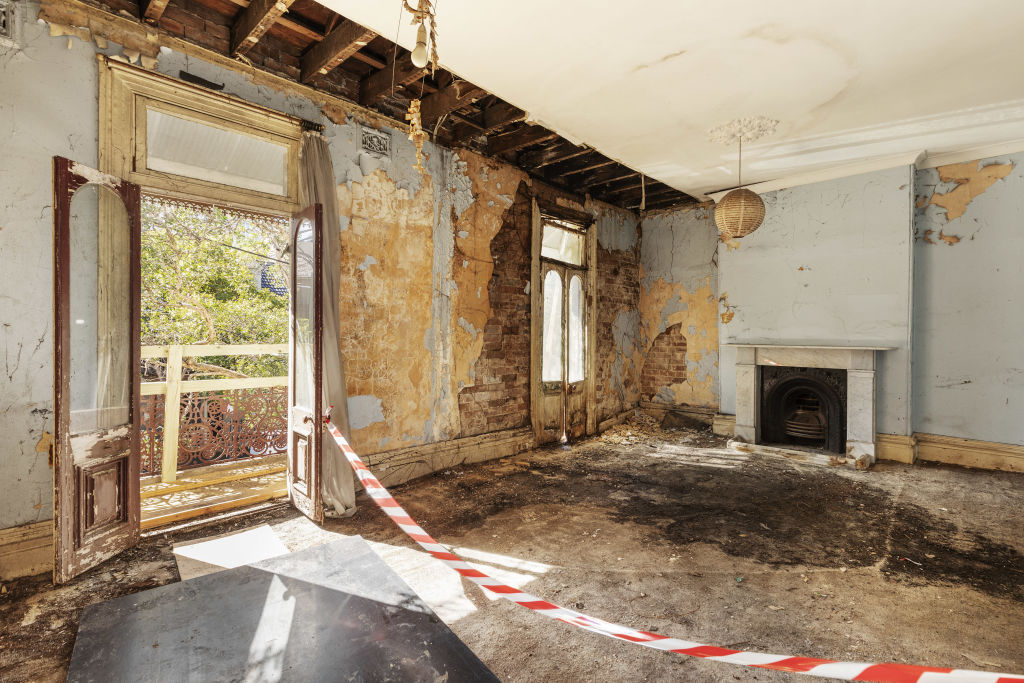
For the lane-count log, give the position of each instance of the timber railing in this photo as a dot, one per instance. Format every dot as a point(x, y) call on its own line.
point(190, 423)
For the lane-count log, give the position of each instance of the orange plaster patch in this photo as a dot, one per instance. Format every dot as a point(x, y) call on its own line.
point(971, 182)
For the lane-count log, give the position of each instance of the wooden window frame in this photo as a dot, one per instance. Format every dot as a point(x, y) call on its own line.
point(126, 92)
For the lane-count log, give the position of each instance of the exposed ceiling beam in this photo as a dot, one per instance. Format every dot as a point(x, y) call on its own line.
point(398, 72)
point(255, 20)
point(540, 158)
point(340, 44)
point(153, 10)
point(455, 96)
point(682, 199)
point(493, 117)
point(288, 23)
point(517, 139)
point(501, 114)
point(591, 165)
point(372, 60)
point(609, 175)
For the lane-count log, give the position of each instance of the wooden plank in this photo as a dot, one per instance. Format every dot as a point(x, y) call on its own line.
point(448, 99)
point(193, 350)
point(255, 20)
point(172, 416)
point(988, 455)
point(378, 84)
point(590, 165)
point(26, 550)
point(609, 175)
point(153, 388)
point(562, 151)
point(216, 474)
point(231, 495)
point(342, 43)
point(527, 135)
point(154, 10)
point(501, 114)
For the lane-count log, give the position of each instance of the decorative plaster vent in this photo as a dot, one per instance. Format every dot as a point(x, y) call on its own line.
point(375, 143)
point(7, 22)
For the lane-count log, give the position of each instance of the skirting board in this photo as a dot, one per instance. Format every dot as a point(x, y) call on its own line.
point(404, 464)
point(658, 410)
point(896, 447)
point(970, 453)
point(724, 425)
point(26, 550)
point(610, 422)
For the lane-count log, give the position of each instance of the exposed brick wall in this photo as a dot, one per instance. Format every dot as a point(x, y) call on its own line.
point(500, 399)
point(618, 292)
point(666, 362)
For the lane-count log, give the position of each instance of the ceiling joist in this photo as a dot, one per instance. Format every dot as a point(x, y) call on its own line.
point(340, 44)
point(399, 71)
point(551, 155)
point(255, 20)
point(455, 96)
point(152, 10)
point(515, 140)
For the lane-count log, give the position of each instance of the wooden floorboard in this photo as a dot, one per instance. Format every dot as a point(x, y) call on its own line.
point(185, 504)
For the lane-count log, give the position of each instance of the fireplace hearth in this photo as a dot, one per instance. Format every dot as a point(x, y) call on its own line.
point(804, 407)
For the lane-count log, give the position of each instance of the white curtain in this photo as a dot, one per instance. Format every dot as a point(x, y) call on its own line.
point(316, 185)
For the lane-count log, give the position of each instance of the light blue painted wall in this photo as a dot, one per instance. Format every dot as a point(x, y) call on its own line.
point(831, 264)
point(969, 312)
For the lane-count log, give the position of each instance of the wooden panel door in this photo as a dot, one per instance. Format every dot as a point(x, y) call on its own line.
point(305, 371)
point(563, 352)
point(96, 237)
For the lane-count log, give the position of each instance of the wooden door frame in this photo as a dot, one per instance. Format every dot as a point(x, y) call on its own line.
point(69, 557)
point(537, 323)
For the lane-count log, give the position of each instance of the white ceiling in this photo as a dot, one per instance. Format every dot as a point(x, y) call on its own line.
point(644, 81)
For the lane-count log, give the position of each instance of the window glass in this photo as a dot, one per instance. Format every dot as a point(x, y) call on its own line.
point(551, 364)
point(576, 329)
point(197, 150)
point(562, 244)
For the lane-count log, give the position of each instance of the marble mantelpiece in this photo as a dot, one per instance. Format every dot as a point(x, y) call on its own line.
point(858, 361)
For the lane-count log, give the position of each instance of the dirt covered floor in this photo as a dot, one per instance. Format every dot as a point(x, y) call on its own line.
point(668, 531)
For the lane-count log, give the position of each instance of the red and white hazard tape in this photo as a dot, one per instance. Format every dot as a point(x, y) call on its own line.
point(850, 671)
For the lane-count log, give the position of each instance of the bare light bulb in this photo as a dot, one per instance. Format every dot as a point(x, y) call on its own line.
point(419, 54)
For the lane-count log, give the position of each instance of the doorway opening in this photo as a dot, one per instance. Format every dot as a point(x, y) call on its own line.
point(564, 315)
point(214, 359)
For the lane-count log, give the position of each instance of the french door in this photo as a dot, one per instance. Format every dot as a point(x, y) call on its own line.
point(96, 238)
point(564, 351)
point(305, 372)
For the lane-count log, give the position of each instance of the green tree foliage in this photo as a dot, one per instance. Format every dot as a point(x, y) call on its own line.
point(199, 284)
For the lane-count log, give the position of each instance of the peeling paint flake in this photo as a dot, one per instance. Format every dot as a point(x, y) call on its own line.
point(971, 180)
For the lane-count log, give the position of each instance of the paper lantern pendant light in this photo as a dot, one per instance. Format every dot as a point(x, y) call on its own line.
point(741, 211)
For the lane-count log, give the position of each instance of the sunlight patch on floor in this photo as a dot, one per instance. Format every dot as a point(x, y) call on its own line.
point(721, 458)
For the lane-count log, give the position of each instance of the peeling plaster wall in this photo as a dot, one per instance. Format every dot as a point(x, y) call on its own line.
point(619, 351)
point(435, 269)
point(969, 300)
point(29, 136)
point(832, 264)
point(679, 285)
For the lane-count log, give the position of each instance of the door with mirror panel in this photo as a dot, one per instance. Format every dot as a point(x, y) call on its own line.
point(96, 240)
point(305, 371)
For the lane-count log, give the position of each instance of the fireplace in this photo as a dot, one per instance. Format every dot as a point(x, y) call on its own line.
point(803, 407)
point(816, 395)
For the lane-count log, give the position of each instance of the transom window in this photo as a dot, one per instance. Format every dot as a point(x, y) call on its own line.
point(562, 241)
